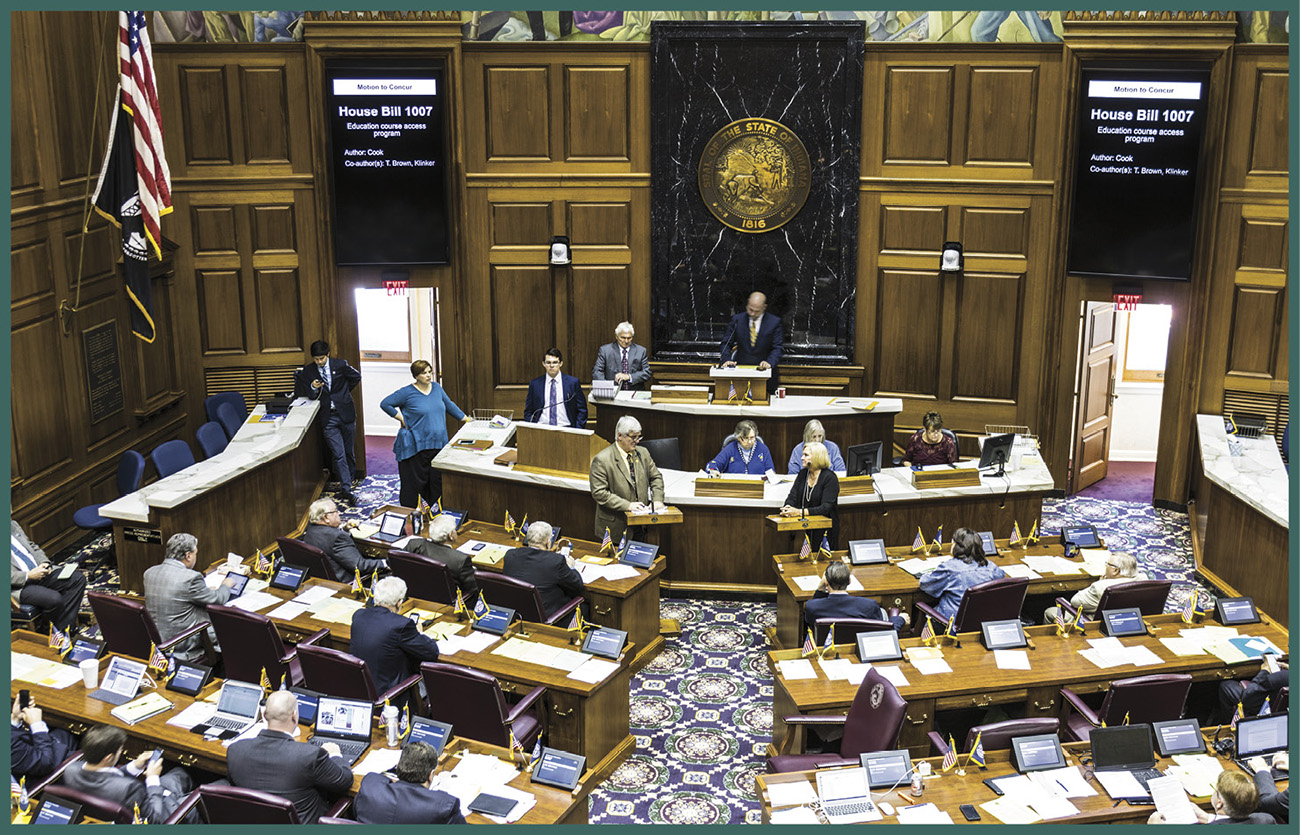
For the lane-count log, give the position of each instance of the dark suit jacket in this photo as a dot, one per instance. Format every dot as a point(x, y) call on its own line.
point(390, 645)
point(824, 605)
point(342, 551)
point(301, 772)
point(768, 346)
point(609, 361)
point(556, 582)
point(1272, 801)
point(460, 564)
point(124, 790)
point(575, 404)
point(343, 378)
point(381, 800)
point(35, 755)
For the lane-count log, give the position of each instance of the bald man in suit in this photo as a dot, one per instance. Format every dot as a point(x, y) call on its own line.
point(619, 486)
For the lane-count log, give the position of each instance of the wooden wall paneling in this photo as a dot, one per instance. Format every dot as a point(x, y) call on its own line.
point(75, 43)
point(987, 337)
point(264, 96)
point(597, 111)
point(206, 137)
point(221, 310)
point(26, 131)
point(523, 315)
point(96, 314)
point(525, 225)
point(601, 299)
point(919, 119)
point(517, 106)
point(279, 300)
point(907, 357)
point(42, 417)
point(1255, 155)
point(1254, 337)
point(31, 270)
point(1002, 115)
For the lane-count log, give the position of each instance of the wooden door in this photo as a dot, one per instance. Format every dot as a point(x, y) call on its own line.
point(1094, 395)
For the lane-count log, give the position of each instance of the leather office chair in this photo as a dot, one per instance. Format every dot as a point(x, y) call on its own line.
point(867, 727)
point(26, 616)
point(171, 457)
point(665, 452)
point(212, 439)
point(500, 590)
point(233, 805)
point(344, 676)
point(213, 402)
point(257, 646)
point(473, 703)
point(426, 578)
point(847, 629)
point(130, 470)
point(1142, 699)
point(297, 552)
point(230, 419)
point(127, 627)
point(92, 805)
point(54, 775)
point(997, 736)
point(991, 600)
point(1147, 595)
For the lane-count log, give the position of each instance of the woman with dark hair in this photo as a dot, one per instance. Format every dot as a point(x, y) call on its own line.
point(422, 409)
point(930, 444)
point(968, 567)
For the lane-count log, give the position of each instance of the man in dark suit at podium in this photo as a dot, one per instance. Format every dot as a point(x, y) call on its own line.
point(753, 338)
point(555, 398)
point(331, 381)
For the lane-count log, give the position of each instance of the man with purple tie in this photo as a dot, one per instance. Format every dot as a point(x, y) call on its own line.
point(554, 398)
point(627, 364)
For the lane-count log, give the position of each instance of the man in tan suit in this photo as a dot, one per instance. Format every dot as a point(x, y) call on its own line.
point(624, 477)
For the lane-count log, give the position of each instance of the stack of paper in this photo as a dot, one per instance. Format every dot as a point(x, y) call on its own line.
point(377, 760)
point(1110, 652)
point(923, 813)
point(254, 602)
point(40, 671)
point(196, 714)
point(314, 595)
point(444, 629)
point(288, 610)
point(473, 642)
point(790, 794)
point(1016, 569)
point(1094, 560)
point(594, 670)
point(793, 669)
point(799, 815)
point(337, 609)
point(1120, 784)
point(916, 566)
point(1045, 795)
point(1010, 810)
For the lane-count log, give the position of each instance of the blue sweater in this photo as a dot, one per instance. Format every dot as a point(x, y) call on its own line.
point(730, 462)
point(425, 416)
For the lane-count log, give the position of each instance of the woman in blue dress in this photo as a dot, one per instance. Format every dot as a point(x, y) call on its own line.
point(745, 453)
point(422, 409)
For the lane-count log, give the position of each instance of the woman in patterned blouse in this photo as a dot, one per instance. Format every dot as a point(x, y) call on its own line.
point(929, 445)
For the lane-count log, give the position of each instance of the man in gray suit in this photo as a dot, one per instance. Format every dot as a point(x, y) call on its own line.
point(621, 361)
point(624, 477)
point(33, 580)
point(325, 531)
point(177, 596)
point(273, 761)
point(99, 774)
point(439, 546)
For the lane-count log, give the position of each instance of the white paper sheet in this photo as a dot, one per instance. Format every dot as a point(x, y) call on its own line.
point(894, 675)
point(808, 582)
point(1011, 659)
point(837, 669)
point(794, 669)
point(254, 602)
point(377, 760)
point(1171, 801)
point(594, 670)
point(1068, 781)
point(791, 794)
point(923, 813)
point(794, 815)
point(195, 714)
point(931, 666)
point(314, 595)
point(1120, 784)
point(1010, 810)
point(287, 611)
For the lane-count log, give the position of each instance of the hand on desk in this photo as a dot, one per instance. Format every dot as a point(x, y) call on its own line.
point(729, 364)
point(764, 365)
point(643, 507)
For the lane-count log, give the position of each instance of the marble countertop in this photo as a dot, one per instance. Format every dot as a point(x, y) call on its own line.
point(894, 483)
point(1257, 476)
point(253, 445)
point(794, 406)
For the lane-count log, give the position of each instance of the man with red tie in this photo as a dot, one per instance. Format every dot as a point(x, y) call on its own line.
point(555, 398)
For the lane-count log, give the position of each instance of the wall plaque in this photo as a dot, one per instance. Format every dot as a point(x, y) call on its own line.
point(103, 370)
point(146, 535)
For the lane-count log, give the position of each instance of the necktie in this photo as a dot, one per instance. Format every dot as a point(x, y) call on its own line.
point(625, 364)
point(554, 397)
point(753, 332)
point(21, 554)
point(631, 468)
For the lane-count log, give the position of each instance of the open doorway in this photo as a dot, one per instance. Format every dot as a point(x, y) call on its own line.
point(1118, 399)
point(394, 329)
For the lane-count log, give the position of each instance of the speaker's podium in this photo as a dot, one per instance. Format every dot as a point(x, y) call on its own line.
point(743, 385)
point(556, 450)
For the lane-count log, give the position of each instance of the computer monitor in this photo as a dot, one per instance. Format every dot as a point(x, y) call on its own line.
point(864, 459)
point(996, 452)
point(1260, 735)
point(1231, 611)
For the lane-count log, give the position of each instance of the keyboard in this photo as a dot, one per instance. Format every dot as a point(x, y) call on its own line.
point(351, 749)
point(228, 724)
point(849, 808)
point(1145, 775)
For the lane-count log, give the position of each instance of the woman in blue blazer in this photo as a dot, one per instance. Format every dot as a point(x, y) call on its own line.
point(745, 453)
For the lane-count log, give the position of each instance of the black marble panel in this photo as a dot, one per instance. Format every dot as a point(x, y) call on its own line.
point(808, 77)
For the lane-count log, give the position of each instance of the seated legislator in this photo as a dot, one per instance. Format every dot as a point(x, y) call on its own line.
point(832, 601)
point(273, 761)
point(1271, 801)
point(930, 444)
point(753, 338)
point(1120, 568)
point(555, 398)
point(625, 363)
point(624, 477)
point(1250, 695)
point(408, 799)
point(98, 774)
point(35, 749)
point(968, 567)
point(439, 546)
point(325, 531)
point(743, 453)
point(177, 597)
point(553, 574)
point(388, 642)
point(814, 431)
point(816, 490)
point(1235, 800)
point(33, 581)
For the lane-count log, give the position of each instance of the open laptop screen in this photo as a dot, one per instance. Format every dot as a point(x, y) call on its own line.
point(239, 699)
point(1259, 735)
point(1122, 746)
point(344, 717)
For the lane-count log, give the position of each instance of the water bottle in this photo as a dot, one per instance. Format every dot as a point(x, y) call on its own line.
point(390, 722)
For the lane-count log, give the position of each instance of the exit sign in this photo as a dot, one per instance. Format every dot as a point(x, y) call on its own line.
point(1127, 300)
point(397, 288)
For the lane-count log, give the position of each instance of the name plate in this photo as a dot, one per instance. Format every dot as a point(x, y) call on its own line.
point(668, 516)
point(930, 479)
point(801, 523)
point(857, 485)
point(730, 488)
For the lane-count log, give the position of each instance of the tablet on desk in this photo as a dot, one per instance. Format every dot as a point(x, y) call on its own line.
point(57, 810)
point(1036, 753)
point(986, 541)
point(308, 700)
point(559, 769)
point(288, 577)
point(1003, 634)
point(431, 731)
point(1179, 736)
point(121, 682)
point(84, 649)
point(490, 804)
point(867, 552)
point(887, 769)
point(1120, 623)
point(879, 646)
point(496, 621)
point(639, 554)
point(237, 583)
point(1080, 536)
point(189, 678)
point(605, 642)
point(1231, 611)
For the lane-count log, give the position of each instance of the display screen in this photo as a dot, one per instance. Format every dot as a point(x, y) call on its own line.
point(1261, 735)
point(1002, 634)
point(560, 769)
point(1233, 610)
point(52, 812)
point(1139, 148)
point(886, 769)
point(427, 730)
point(343, 717)
point(605, 642)
point(188, 678)
point(1120, 622)
point(1035, 753)
point(388, 159)
point(867, 552)
point(83, 649)
point(878, 646)
point(1179, 736)
point(288, 577)
point(639, 554)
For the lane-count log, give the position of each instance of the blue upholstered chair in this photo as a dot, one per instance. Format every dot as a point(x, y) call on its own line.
point(171, 457)
point(212, 438)
point(130, 470)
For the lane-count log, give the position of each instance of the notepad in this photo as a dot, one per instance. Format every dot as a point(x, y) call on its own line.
point(791, 794)
point(594, 670)
point(1011, 811)
point(136, 710)
point(931, 666)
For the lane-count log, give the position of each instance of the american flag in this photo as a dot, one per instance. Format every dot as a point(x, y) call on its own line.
point(1189, 611)
point(927, 631)
point(1015, 534)
point(806, 551)
point(1060, 622)
point(731, 392)
point(357, 586)
point(918, 544)
point(606, 542)
point(1240, 714)
point(950, 758)
point(262, 563)
point(576, 623)
point(58, 639)
point(134, 188)
point(514, 743)
point(809, 645)
point(825, 549)
point(157, 658)
point(422, 508)
point(977, 750)
point(266, 681)
point(510, 523)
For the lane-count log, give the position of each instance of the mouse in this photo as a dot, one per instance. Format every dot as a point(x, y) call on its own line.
point(887, 808)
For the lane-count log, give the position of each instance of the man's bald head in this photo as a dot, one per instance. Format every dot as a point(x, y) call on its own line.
point(756, 304)
point(280, 709)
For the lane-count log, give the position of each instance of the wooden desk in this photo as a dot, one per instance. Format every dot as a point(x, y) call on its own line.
point(890, 585)
point(631, 605)
point(976, 680)
point(949, 790)
point(553, 805)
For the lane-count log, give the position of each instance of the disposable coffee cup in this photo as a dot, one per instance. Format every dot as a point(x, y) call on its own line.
point(90, 673)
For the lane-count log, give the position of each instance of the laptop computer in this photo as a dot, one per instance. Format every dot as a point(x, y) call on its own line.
point(392, 527)
point(121, 681)
point(344, 722)
point(1261, 736)
point(237, 708)
point(845, 796)
point(1125, 748)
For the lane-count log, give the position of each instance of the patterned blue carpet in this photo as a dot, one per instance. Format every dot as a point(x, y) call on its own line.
point(701, 712)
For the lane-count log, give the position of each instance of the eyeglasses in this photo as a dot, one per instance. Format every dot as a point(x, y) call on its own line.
point(634, 436)
point(1112, 565)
